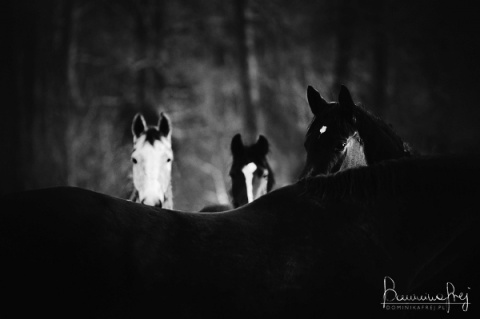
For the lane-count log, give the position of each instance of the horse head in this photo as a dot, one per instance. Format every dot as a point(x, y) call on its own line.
point(251, 174)
point(152, 158)
point(333, 142)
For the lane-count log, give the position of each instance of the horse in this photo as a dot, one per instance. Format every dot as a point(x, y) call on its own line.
point(355, 241)
point(152, 158)
point(250, 173)
point(343, 135)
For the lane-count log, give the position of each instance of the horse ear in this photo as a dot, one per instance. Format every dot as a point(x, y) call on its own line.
point(138, 125)
point(344, 97)
point(237, 145)
point(345, 100)
point(315, 100)
point(165, 125)
point(262, 145)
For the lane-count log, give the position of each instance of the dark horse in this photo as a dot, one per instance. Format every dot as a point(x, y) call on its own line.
point(343, 135)
point(250, 173)
point(324, 247)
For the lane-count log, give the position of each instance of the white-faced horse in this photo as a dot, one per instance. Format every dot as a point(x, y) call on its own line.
point(152, 158)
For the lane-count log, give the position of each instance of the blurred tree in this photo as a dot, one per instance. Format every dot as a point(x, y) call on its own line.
point(16, 118)
point(149, 20)
point(379, 16)
point(78, 71)
point(247, 68)
point(345, 20)
point(38, 117)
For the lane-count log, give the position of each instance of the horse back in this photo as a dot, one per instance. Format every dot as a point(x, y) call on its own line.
point(68, 248)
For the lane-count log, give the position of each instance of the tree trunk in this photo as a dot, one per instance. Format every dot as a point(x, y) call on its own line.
point(380, 57)
point(52, 97)
point(16, 117)
point(344, 39)
point(141, 76)
point(248, 69)
point(149, 34)
point(33, 127)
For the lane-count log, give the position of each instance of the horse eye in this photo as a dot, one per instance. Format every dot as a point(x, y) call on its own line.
point(169, 160)
point(134, 160)
point(265, 176)
point(341, 146)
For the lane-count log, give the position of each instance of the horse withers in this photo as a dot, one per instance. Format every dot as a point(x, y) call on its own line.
point(152, 158)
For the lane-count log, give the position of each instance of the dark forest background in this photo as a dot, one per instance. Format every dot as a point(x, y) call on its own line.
point(76, 72)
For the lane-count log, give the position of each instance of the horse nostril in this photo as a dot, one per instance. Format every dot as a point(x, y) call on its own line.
point(143, 201)
point(159, 204)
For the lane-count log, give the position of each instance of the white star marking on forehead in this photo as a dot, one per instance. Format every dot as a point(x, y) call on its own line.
point(323, 129)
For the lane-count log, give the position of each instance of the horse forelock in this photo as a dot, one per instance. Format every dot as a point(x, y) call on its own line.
point(152, 134)
point(318, 120)
point(249, 155)
point(322, 123)
point(149, 137)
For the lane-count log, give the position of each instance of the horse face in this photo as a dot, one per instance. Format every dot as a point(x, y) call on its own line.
point(250, 173)
point(332, 140)
point(152, 158)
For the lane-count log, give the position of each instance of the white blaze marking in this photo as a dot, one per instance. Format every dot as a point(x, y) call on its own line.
point(248, 171)
point(323, 129)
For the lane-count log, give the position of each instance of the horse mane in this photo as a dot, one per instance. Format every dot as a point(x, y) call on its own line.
point(367, 120)
point(152, 134)
point(394, 178)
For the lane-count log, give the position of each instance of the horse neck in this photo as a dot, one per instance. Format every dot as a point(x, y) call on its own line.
point(355, 157)
point(380, 142)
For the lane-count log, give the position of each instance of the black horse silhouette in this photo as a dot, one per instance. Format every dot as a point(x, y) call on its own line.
point(322, 247)
point(343, 135)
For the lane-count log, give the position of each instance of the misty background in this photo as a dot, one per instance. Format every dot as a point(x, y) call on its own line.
point(76, 72)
